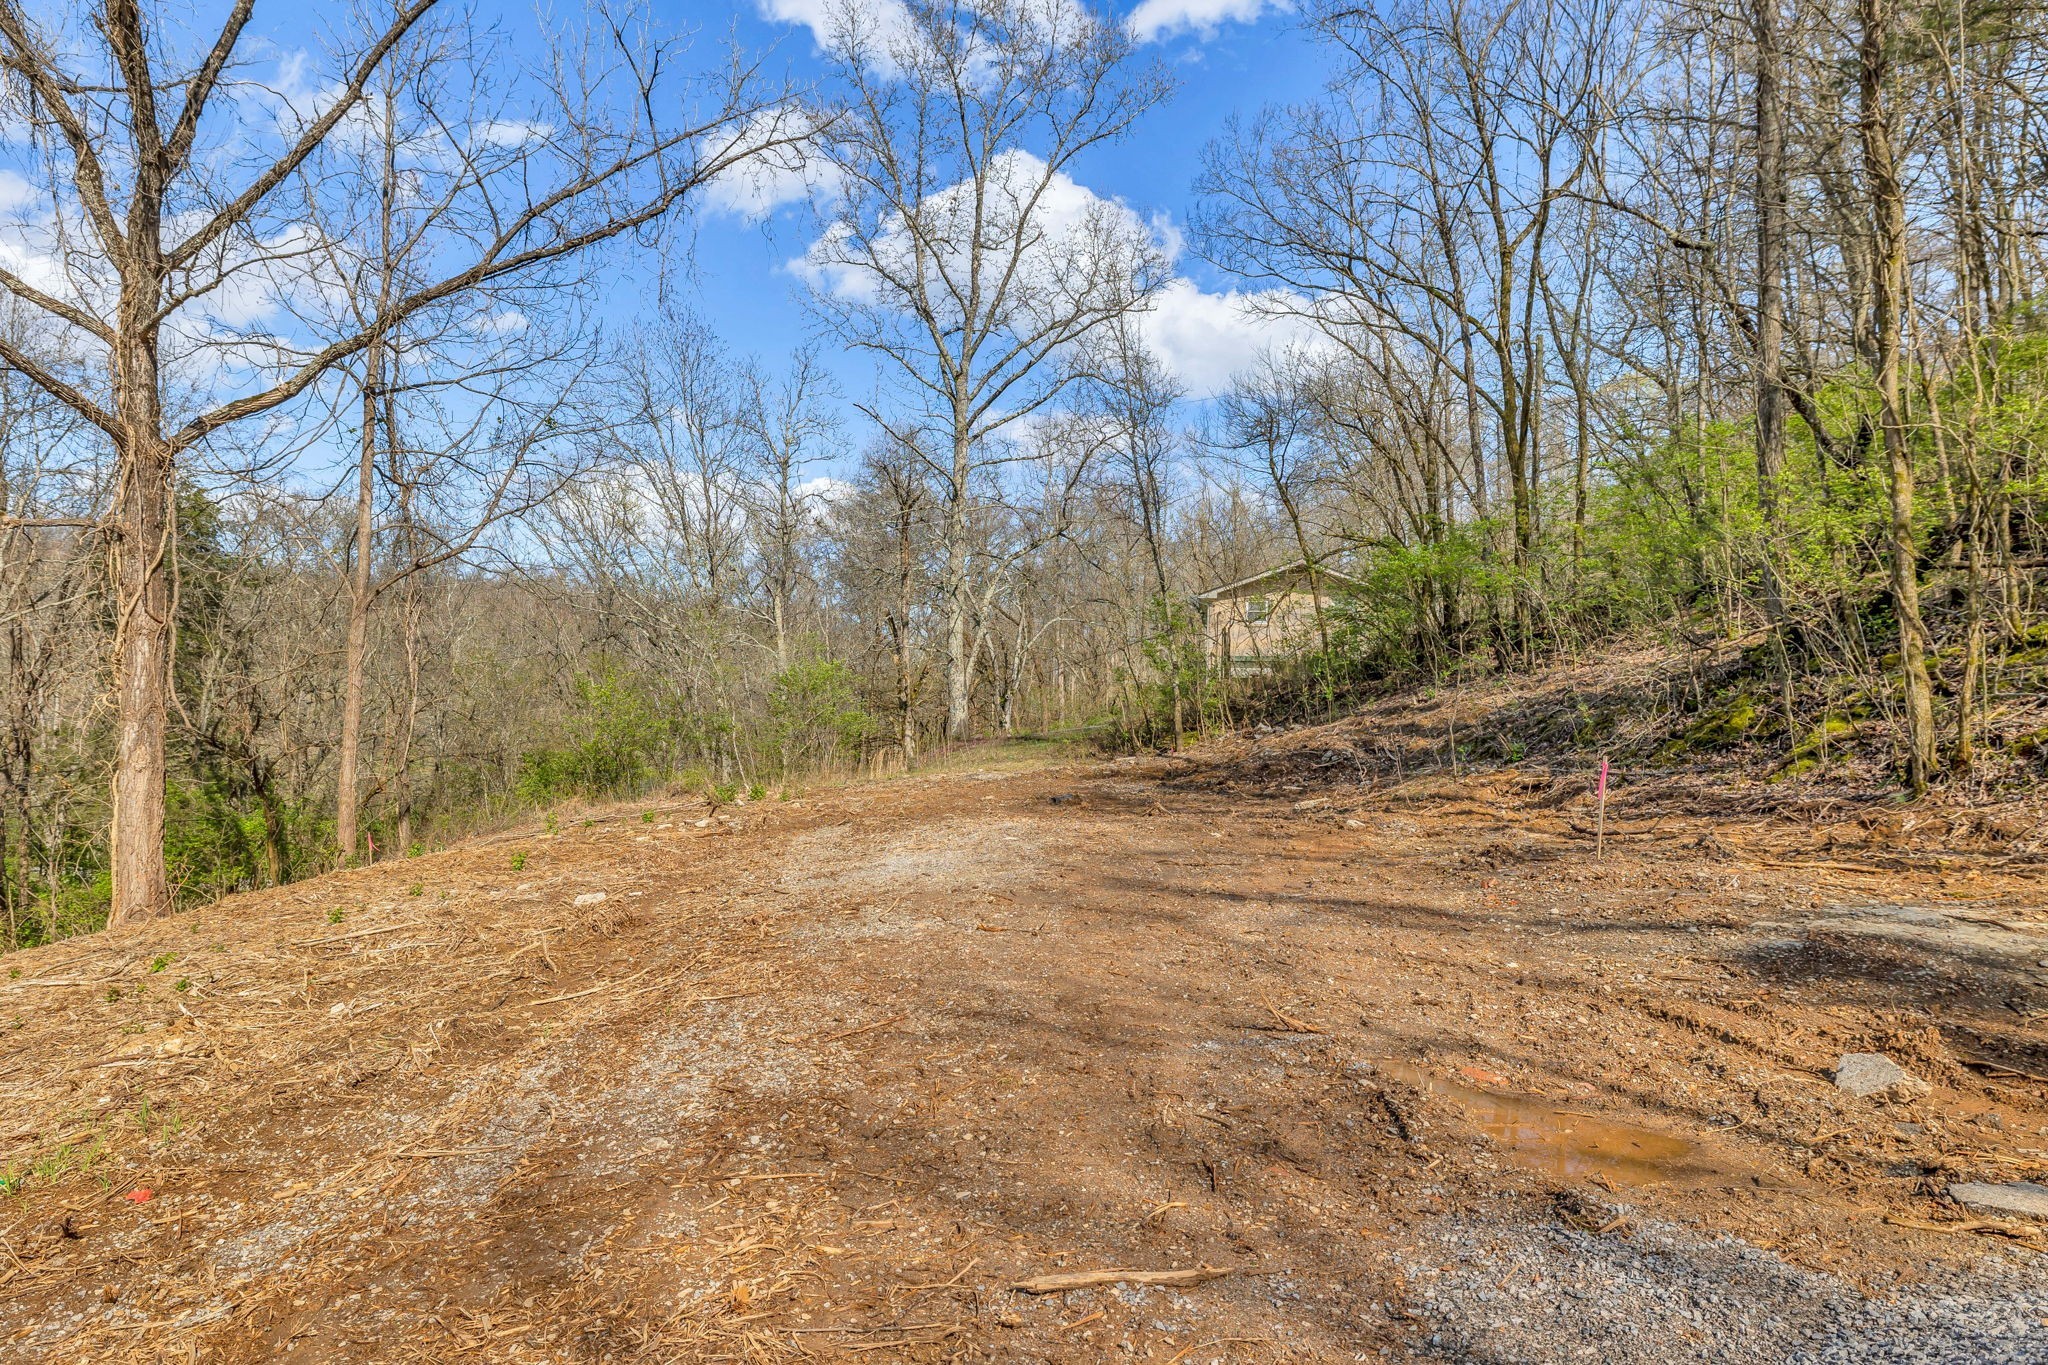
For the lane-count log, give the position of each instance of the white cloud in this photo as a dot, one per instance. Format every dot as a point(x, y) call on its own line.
point(1155, 19)
point(1204, 339)
point(1066, 225)
point(882, 23)
point(765, 180)
point(513, 133)
point(1207, 339)
point(16, 192)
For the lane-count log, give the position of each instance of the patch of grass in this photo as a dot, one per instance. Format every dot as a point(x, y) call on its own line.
point(416, 889)
point(336, 915)
point(519, 861)
point(646, 817)
point(158, 1125)
point(65, 1159)
point(161, 961)
point(757, 792)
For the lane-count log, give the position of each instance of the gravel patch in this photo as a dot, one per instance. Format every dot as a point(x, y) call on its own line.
point(1506, 1292)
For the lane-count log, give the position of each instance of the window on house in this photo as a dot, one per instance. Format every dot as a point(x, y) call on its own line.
point(1257, 609)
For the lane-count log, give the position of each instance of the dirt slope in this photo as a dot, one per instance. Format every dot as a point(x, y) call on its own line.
point(822, 1080)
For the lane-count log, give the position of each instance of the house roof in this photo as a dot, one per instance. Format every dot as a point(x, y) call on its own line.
point(1285, 570)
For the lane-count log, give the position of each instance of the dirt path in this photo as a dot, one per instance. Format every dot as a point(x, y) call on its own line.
point(823, 1080)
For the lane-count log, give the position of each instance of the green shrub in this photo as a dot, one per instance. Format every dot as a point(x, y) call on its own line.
point(814, 711)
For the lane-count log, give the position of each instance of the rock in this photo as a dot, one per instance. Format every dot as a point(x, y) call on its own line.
point(2019, 1199)
point(588, 898)
point(1872, 1075)
point(1313, 803)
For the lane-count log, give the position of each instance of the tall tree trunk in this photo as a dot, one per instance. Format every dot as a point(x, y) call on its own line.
point(356, 648)
point(959, 599)
point(1770, 302)
point(412, 610)
point(1888, 224)
point(142, 649)
point(906, 692)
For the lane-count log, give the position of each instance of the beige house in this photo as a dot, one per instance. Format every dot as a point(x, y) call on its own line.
point(1255, 621)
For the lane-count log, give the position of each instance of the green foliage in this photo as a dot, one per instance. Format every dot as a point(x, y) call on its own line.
point(616, 738)
point(1173, 691)
point(814, 711)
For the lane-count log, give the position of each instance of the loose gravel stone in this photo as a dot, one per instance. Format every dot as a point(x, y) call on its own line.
point(1870, 1074)
point(2020, 1198)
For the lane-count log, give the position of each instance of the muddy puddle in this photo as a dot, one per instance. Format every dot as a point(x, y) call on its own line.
point(1566, 1143)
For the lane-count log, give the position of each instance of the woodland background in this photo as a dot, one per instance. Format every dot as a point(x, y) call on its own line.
point(1645, 319)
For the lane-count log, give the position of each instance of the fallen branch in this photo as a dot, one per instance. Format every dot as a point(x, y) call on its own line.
point(578, 995)
point(360, 933)
point(2025, 1232)
point(1998, 1068)
point(1088, 1279)
point(1187, 1351)
point(1288, 1021)
point(452, 1151)
point(864, 1028)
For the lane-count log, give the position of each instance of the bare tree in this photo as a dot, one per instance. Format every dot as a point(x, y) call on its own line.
point(1888, 249)
point(160, 208)
point(789, 430)
point(959, 250)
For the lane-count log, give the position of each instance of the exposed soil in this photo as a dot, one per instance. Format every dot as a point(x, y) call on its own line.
point(824, 1079)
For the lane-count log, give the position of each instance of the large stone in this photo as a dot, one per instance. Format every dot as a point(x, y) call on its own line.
point(1869, 1075)
point(2019, 1199)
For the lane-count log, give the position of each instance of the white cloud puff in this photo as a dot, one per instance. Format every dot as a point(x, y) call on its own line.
point(885, 22)
point(777, 166)
point(1066, 227)
point(1206, 339)
point(1156, 19)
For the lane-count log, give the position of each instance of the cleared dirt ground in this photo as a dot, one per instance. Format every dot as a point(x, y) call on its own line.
point(824, 1079)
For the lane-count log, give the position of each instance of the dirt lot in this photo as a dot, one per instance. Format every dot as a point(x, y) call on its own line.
point(1423, 1074)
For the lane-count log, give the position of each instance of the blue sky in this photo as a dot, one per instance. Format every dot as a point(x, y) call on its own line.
point(745, 290)
point(1228, 56)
